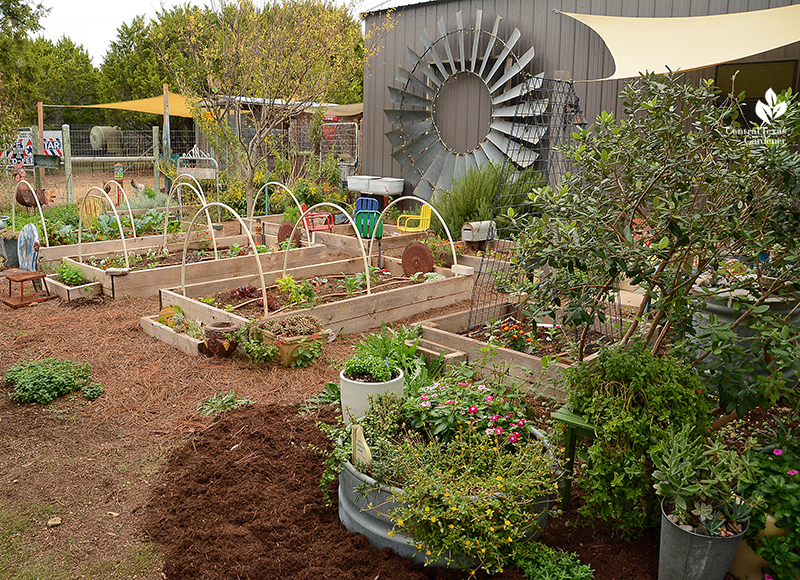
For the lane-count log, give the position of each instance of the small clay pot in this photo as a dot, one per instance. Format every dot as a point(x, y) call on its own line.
point(219, 339)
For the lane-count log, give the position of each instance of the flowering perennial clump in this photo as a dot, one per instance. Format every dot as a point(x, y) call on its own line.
point(447, 405)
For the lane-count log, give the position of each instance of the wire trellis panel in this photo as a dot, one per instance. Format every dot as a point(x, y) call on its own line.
point(546, 115)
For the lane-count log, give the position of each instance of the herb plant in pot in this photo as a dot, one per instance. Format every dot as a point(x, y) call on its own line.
point(364, 375)
point(703, 514)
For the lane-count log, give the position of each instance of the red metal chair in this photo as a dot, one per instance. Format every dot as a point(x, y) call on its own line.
point(316, 222)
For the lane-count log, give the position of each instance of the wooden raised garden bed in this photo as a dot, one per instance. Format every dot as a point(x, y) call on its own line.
point(343, 239)
point(143, 283)
point(67, 293)
point(447, 333)
point(350, 315)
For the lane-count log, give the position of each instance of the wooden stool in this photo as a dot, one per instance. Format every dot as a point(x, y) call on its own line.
point(22, 299)
point(577, 426)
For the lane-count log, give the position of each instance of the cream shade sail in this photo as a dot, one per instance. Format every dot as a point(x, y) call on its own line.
point(687, 43)
point(178, 105)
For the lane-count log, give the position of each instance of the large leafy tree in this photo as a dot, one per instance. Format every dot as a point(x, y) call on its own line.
point(261, 65)
point(65, 76)
point(18, 19)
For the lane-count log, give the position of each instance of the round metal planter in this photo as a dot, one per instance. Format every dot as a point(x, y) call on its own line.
point(688, 556)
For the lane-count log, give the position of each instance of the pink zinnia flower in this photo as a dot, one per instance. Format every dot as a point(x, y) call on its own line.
point(489, 431)
point(778, 452)
point(495, 417)
point(473, 409)
point(425, 404)
point(498, 430)
point(791, 472)
point(513, 437)
point(489, 398)
point(521, 422)
point(462, 384)
point(767, 577)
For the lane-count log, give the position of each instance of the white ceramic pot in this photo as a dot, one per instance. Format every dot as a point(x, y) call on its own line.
point(360, 182)
point(386, 186)
point(354, 394)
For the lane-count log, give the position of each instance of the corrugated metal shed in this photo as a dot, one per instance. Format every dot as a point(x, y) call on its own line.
point(564, 49)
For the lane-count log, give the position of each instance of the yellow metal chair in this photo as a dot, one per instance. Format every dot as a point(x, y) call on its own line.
point(423, 221)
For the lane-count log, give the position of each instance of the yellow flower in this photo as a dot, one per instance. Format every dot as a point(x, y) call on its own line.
point(399, 522)
point(433, 518)
point(427, 509)
point(499, 478)
point(509, 539)
point(454, 508)
point(508, 523)
point(391, 534)
point(452, 526)
point(491, 528)
point(483, 550)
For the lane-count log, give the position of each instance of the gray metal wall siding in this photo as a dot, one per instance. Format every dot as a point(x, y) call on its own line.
point(561, 43)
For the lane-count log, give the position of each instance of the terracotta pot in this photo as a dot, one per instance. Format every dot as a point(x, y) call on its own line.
point(288, 345)
point(219, 338)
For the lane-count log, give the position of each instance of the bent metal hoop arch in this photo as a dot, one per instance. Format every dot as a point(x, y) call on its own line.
point(38, 205)
point(352, 223)
point(433, 209)
point(127, 203)
point(116, 216)
point(266, 197)
point(249, 239)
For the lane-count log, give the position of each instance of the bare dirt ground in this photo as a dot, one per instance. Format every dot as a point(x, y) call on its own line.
point(145, 487)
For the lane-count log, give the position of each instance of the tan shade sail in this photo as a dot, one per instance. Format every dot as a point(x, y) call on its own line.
point(686, 43)
point(178, 105)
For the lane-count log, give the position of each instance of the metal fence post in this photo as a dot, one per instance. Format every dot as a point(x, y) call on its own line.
point(156, 155)
point(67, 144)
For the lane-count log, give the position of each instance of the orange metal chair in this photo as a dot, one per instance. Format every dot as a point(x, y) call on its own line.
point(423, 221)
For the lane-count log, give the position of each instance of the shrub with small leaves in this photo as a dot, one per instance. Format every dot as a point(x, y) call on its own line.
point(92, 391)
point(42, 381)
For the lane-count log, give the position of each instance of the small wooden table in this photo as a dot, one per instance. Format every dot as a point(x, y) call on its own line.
point(30, 298)
point(577, 426)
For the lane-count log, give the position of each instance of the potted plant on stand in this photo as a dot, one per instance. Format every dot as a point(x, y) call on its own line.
point(382, 362)
point(364, 375)
point(703, 514)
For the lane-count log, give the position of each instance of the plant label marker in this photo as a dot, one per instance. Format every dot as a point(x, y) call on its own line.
point(361, 452)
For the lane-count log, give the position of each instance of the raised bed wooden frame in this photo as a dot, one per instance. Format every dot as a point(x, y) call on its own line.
point(350, 316)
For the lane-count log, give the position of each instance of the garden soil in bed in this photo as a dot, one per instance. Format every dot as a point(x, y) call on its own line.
point(145, 487)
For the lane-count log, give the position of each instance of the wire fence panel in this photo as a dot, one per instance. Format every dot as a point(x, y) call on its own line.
point(504, 272)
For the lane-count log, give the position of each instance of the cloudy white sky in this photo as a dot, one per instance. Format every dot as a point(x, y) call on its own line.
point(94, 23)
